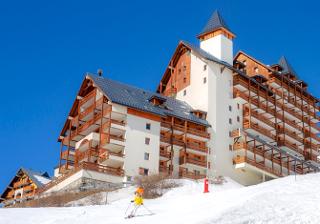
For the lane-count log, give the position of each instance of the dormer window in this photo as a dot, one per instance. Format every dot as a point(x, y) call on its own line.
point(157, 100)
point(200, 114)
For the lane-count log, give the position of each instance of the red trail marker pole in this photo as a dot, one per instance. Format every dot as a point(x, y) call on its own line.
point(206, 185)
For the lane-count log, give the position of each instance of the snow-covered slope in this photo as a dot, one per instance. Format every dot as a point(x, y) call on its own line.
point(280, 201)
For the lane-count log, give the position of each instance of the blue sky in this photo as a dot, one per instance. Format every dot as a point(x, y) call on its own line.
point(47, 46)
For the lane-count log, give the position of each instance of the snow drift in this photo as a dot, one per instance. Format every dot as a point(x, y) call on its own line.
point(284, 200)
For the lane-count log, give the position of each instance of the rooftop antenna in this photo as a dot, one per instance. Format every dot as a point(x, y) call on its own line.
point(100, 72)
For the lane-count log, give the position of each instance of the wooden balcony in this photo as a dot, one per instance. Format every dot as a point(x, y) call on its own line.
point(296, 103)
point(86, 166)
point(191, 143)
point(105, 138)
point(239, 146)
point(197, 147)
point(183, 173)
point(290, 133)
point(189, 130)
point(290, 145)
point(186, 160)
point(256, 127)
point(88, 97)
point(102, 169)
point(260, 165)
point(257, 103)
point(165, 153)
point(67, 155)
point(259, 117)
point(28, 188)
point(20, 183)
point(236, 133)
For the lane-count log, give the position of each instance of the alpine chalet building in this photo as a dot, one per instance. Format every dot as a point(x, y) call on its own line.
point(213, 114)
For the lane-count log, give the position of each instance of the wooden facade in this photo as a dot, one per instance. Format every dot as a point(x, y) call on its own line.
point(185, 142)
point(93, 115)
point(23, 187)
point(278, 109)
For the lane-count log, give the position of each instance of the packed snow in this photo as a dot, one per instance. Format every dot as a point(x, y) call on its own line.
point(285, 201)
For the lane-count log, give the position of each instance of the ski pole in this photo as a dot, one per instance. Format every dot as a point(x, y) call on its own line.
point(127, 208)
point(148, 209)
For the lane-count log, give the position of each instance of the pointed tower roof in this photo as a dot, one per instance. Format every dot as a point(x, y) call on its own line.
point(286, 67)
point(215, 22)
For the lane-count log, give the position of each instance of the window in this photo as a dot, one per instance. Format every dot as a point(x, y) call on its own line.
point(230, 121)
point(238, 105)
point(143, 171)
point(147, 141)
point(146, 156)
point(205, 80)
point(256, 69)
point(196, 172)
point(204, 67)
point(238, 118)
point(184, 92)
point(230, 108)
point(148, 126)
point(184, 80)
point(129, 178)
point(230, 134)
point(230, 147)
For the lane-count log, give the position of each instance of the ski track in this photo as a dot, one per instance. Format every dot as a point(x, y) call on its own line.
point(279, 201)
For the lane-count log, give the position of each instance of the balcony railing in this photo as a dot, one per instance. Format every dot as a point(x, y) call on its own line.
point(257, 103)
point(197, 162)
point(239, 146)
point(256, 127)
point(191, 175)
point(88, 97)
point(86, 166)
point(165, 153)
point(189, 130)
point(20, 183)
point(260, 165)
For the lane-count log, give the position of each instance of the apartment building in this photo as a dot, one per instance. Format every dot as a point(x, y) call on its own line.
point(264, 121)
point(213, 114)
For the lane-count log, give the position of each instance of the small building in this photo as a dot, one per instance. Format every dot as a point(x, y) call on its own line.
point(23, 186)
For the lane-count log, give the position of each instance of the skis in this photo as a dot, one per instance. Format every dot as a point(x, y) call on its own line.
point(129, 216)
point(132, 216)
point(133, 213)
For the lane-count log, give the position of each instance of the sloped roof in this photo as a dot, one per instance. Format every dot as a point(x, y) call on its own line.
point(205, 54)
point(287, 68)
point(215, 22)
point(137, 98)
point(38, 178)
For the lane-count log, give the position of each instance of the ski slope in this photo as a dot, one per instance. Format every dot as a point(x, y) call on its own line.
point(279, 201)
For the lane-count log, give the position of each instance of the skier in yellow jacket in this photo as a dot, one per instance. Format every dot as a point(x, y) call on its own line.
point(138, 201)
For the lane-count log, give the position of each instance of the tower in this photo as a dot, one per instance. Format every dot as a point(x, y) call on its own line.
point(216, 38)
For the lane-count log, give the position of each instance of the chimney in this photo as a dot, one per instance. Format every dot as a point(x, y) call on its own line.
point(100, 72)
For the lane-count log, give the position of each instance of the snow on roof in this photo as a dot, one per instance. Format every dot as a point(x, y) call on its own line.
point(42, 179)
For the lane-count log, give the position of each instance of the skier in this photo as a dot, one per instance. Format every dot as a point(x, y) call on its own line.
point(138, 201)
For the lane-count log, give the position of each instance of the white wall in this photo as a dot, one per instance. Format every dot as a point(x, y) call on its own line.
point(135, 146)
point(215, 97)
point(220, 47)
point(197, 91)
